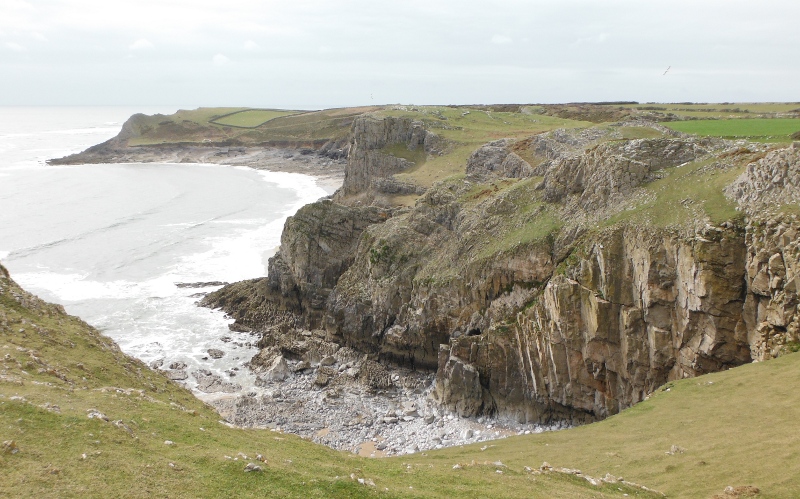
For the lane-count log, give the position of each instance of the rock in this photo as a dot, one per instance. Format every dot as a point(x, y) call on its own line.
point(212, 383)
point(322, 379)
point(199, 284)
point(327, 361)
point(215, 353)
point(156, 364)
point(429, 419)
point(675, 449)
point(278, 370)
point(169, 442)
point(178, 365)
point(177, 375)
point(95, 414)
point(302, 366)
point(496, 160)
point(9, 447)
point(252, 467)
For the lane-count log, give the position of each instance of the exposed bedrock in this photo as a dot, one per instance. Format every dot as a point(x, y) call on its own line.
point(514, 293)
point(372, 160)
point(317, 245)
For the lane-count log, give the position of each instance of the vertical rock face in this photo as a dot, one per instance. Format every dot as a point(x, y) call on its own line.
point(369, 163)
point(634, 310)
point(317, 245)
point(523, 305)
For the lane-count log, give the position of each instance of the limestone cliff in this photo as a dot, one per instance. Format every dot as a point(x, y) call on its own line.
point(563, 278)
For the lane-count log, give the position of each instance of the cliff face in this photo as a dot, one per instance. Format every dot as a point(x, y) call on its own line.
point(521, 289)
point(372, 160)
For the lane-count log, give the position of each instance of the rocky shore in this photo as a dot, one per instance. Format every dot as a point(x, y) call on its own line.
point(329, 170)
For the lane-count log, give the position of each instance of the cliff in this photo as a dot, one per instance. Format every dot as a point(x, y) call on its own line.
point(563, 276)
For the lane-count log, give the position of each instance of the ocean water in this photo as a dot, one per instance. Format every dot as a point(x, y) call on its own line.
point(110, 242)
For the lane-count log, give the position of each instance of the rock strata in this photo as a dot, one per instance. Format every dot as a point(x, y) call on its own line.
point(514, 293)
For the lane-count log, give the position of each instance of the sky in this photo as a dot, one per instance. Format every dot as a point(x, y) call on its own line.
point(311, 54)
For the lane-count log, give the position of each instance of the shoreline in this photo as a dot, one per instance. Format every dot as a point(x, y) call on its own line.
point(329, 169)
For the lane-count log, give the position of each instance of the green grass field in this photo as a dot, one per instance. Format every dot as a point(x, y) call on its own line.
point(764, 130)
point(250, 118)
point(724, 110)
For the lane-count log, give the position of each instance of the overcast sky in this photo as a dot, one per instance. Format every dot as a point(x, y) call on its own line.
point(329, 53)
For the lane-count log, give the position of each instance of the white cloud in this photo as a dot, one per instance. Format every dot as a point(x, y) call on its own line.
point(383, 45)
point(602, 37)
point(141, 44)
point(38, 36)
point(16, 47)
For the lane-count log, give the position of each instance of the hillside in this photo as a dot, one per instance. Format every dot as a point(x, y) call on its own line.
point(79, 418)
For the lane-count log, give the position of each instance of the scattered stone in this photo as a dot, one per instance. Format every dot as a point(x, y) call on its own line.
point(738, 492)
point(122, 426)
point(95, 414)
point(215, 353)
point(212, 383)
point(302, 366)
point(327, 361)
point(156, 364)
point(322, 379)
point(178, 365)
point(675, 449)
point(10, 447)
point(169, 442)
point(252, 467)
point(179, 375)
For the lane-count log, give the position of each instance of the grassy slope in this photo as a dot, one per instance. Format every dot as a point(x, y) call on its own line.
point(251, 118)
point(198, 126)
point(466, 129)
point(52, 359)
point(737, 428)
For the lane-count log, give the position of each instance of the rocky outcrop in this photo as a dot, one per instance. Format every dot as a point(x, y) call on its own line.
point(775, 178)
point(495, 160)
point(371, 163)
point(515, 294)
point(628, 313)
point(611, 171)
point(317, 245)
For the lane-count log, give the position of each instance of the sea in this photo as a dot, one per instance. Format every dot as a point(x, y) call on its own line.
point(115, 244)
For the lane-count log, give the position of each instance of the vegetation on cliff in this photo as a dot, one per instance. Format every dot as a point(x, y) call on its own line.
point(569, 262)
point(562, 270)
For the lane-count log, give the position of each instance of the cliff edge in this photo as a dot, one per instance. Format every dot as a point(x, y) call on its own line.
point(562, 276)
